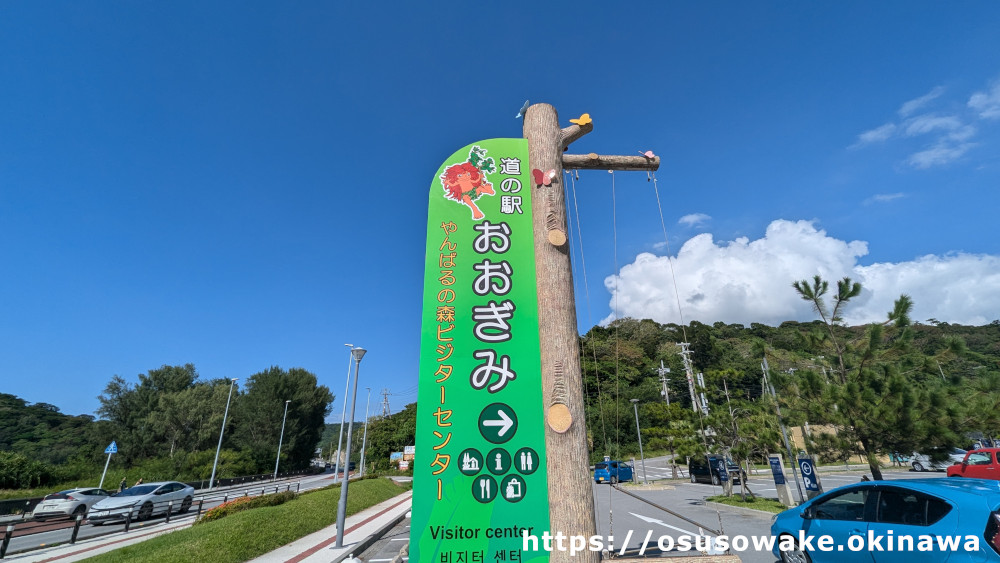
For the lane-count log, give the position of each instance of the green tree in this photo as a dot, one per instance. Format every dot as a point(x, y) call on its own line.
point(135, 412)
point(258, 411)
point(875, 408)
point(390, 434)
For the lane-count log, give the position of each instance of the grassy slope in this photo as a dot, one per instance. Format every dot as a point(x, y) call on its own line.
point(245, 535)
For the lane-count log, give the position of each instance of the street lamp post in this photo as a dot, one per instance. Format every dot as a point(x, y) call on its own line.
point(280, 438)
point(211, 481)
point(364, 440)
point(340, 440)
point(357, 354)
point(635, 407)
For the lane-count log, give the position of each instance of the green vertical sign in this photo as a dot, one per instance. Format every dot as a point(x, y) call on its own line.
point(479, 471)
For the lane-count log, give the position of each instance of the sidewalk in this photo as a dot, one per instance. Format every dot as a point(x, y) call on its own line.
point(360, 531)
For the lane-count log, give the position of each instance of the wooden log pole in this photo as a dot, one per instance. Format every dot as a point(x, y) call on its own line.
point(594, 161)
point(571, 495)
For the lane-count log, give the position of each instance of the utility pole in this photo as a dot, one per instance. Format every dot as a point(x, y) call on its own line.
point(663, 371)
point(689, 371)
point(385, 402)
point(701, 385)
point(664, 380)
point(571, 496)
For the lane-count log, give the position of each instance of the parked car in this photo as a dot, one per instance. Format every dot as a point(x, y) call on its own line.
point(978, 464)
point(912, 508)
point(612, 472)
point(923, 462)
point(350, 467)
point(71, 502)
point(143, 501)
point(701, 472)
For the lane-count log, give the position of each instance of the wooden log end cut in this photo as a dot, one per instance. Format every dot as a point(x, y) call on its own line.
point(559, 418)
point(557, 237)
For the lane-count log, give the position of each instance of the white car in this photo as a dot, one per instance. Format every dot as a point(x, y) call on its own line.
point(71, 502)
point(923, 462)
point(143, 502)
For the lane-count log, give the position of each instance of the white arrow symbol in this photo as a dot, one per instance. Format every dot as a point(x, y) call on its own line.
point(711, 550)
point(505, 423)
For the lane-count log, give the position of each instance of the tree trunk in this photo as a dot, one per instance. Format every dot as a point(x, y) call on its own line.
point(571, 496)
point(872, 461)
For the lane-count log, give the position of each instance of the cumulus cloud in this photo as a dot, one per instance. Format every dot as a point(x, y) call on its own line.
point(987, 103)
point(693, 219)
point(746, 281)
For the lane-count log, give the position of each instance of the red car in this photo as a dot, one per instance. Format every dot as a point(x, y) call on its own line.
point(979, 464)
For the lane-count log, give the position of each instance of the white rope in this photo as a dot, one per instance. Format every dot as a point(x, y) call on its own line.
point(618, 381)
point(586, 289)
point(670, 261)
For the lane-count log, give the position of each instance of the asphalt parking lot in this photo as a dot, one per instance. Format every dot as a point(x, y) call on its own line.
point(621, 516)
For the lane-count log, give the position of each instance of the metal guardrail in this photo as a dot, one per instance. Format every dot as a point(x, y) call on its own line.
point(18, 505)
point(21, 506)
point(166, 509)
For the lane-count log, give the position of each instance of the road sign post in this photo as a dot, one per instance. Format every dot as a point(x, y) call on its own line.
point(717, 464)
point(111, 449)
point(810, 477)
point(778, 471)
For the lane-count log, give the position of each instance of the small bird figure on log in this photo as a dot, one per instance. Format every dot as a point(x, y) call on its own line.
point(648, 154)
point(524, 109)
point(582, 120)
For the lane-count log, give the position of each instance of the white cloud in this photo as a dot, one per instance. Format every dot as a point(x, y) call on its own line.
point(929, 122)
point(876, 135)
point(746, 281)
point(987, 103)
point(939, 154)
point(693, 219)
point(917, 103)
point(963, 133)
point(884, 198)
point(951, 134)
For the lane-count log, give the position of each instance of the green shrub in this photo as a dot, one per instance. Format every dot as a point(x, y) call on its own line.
point(245, 503)
point(19, 472)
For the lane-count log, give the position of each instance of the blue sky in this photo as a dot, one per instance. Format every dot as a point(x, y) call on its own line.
point(240, 186)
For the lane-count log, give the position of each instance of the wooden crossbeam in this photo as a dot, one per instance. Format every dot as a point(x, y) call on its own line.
point(595, 161)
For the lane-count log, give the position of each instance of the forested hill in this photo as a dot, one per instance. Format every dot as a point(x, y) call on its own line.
point(168, 424)
point(895, 386)
point(40, 431)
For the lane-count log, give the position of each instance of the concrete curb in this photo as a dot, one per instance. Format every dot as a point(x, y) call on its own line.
point(740, 510)
point(364, 544)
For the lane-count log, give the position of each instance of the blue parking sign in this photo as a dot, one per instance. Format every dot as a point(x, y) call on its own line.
point(808, 471)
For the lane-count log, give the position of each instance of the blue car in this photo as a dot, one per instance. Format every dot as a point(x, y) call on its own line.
point(952, 520)
point(612, 472)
